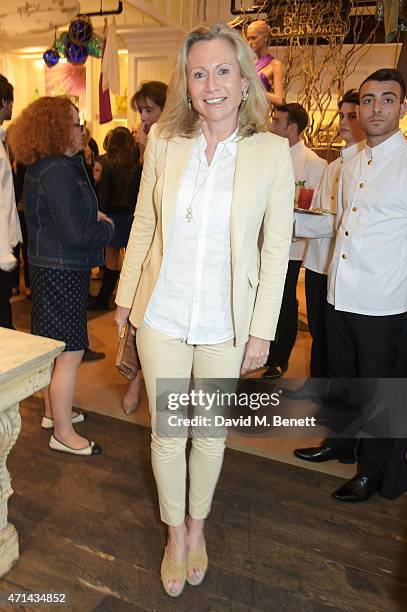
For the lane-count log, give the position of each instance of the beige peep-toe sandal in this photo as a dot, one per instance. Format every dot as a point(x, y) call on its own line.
point(172, 570)
point(197, 559)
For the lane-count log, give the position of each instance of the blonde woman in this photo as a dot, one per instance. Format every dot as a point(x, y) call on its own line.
point(193, 283)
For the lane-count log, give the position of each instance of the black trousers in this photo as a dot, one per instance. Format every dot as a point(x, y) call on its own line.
point(21, 248)
point(315, 293)
point(362, 346)
point(280, 349)
point(5, 295)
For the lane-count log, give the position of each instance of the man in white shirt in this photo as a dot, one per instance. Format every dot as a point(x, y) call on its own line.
point(319, 253)
point(367, 283)
point(10, 232)
point(290, 121)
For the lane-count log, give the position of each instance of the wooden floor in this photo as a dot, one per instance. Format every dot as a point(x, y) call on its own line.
point(276, 540)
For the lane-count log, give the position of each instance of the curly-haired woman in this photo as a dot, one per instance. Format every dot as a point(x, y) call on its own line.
point(66, 236)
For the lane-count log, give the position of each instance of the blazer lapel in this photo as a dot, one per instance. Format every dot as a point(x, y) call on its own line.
point(242, 193)
point(179, 151)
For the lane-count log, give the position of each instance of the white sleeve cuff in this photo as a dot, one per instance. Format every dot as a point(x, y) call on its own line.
point(7, 262)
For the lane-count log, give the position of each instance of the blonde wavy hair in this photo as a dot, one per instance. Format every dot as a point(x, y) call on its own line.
point(180, 119)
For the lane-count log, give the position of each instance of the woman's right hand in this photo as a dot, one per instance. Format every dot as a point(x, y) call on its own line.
point(103, 217)
point(141, 136)
point(121, 317)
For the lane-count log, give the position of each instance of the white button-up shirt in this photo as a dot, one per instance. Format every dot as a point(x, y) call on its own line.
point(308, 167)
point(192, 296)
point(10, 232)
point(368, 273)
point(319, 251)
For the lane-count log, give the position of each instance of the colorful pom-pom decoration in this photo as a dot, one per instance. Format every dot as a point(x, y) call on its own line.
point(80, 30)
point(51, 57)
point(61, 43)
point(95, 46)
point(76, 54)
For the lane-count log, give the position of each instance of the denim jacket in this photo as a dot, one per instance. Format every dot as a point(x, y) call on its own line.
point(61, 215)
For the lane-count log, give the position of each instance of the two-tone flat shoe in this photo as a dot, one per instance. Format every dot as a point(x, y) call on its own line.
point(90, 449)
point(172, 570)
point(197, 560)
point(48, 423)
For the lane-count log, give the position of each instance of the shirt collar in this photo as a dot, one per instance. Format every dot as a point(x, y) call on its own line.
point(348, 152)
point(297, 148)
point(2, 133)
point(385, 148)
point(230, 143)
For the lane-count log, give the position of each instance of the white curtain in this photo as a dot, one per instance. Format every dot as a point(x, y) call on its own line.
point(110, 62)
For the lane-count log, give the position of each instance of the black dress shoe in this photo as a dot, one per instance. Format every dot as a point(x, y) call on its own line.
point(275, 370)
point(358, 489)
point(325, 453)
point(90, 355)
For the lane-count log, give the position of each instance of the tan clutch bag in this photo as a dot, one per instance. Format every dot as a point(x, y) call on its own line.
point(127, 360)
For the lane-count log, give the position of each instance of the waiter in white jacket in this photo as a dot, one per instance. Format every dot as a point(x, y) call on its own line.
point(290, 121)
point(367, 284)
point(319, 253)
point(10, 231)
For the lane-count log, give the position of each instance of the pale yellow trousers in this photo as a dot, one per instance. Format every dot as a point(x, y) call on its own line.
point(164, 357)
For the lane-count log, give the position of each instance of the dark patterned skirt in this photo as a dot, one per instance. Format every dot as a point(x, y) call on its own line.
point(59, 305)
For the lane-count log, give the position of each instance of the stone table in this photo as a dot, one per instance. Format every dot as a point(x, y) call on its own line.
point(25, 367)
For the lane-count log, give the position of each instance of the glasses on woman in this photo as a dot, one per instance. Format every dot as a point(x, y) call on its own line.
point(80, 126)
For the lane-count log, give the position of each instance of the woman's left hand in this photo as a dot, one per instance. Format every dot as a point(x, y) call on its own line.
point(121, 317)
point(256, 354)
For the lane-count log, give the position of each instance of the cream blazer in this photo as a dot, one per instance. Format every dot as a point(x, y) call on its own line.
point(262, 202)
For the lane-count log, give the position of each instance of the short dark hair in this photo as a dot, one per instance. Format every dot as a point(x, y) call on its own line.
point(296, 114)
point(6, 89)
point(387, 74)
point(155, 90)
point(350, 97)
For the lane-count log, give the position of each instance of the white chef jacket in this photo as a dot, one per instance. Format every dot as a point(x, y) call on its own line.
point(192, 296)
point(10, 231)
point(320, 250)
point(307, 167)
point(368, 272)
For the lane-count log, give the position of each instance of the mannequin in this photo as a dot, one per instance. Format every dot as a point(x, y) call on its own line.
point(268, 68)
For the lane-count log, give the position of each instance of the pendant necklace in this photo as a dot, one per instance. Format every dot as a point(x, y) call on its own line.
point(189, 215)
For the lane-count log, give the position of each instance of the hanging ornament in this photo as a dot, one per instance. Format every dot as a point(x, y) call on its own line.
point(95, 46)
point(75, 54)
point(76, 44)
point(80, 30)
point(51, 57)
point(61, 43)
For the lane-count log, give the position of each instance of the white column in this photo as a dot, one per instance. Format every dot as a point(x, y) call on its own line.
point(10, 425)
point(25, 367)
